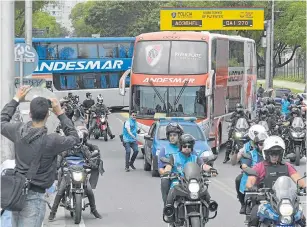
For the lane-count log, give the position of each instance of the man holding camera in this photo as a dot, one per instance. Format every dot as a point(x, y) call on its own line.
point(30, 139)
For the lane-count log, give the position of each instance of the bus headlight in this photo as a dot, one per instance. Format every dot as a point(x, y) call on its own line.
point(77, 176)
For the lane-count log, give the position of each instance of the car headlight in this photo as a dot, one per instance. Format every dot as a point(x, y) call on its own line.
point(194, 186)
point(77, 176)
point(157, 152)
point(286, 209)
point(238, 134)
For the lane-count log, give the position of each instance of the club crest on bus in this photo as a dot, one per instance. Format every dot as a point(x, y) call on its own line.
point(153, 54)
point(173, 15)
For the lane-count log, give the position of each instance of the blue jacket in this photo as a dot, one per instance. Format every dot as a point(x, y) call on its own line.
point(133, 128)
point(256, 158)
point(180, 160)
point(284, 106)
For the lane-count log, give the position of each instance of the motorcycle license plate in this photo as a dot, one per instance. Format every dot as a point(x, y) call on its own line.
point(284, 226)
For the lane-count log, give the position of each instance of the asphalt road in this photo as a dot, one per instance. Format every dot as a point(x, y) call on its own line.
point(134, 199)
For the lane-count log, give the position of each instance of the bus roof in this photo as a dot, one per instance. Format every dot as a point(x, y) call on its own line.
point(187, 35)
point(78, 40)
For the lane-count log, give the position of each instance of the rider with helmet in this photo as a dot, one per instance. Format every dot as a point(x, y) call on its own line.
point(100, 108)
point(67, 106)
point(98, 166)
point(177, 162)
point(239, 113)
point(82, 151)
point(269, 170)
point(173, 132)
point(257, 135)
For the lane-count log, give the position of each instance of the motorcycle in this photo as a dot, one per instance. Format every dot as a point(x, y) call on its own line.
point(279, 205)
point(101, 127)
point(190, 208)
point(239, 138)
point(76, 174)
point(297, 136)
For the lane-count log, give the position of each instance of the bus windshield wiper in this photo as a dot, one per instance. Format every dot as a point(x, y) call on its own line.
point(181, 91)
point(157, 92)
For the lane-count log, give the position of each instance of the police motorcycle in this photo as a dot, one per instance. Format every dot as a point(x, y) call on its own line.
point(190, 208)
point(76, 172)
point(279, 205)
point(297, 138)
point(239, 137)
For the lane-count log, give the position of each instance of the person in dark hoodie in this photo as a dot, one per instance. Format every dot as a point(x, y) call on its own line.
point(28, 138)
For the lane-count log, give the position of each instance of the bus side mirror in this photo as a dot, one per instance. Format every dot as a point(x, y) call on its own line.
point(209, 83)
point(122, 83)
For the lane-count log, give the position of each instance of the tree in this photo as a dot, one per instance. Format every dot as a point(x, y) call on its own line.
point(20, 14)
point(78, 15)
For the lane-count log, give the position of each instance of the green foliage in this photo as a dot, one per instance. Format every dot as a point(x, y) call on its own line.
point(40, 20)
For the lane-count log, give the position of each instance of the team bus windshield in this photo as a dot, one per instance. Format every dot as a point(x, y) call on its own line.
point(171, 57)
point(172, 101)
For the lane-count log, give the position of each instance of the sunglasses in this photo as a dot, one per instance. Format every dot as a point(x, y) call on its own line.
point(187, 146)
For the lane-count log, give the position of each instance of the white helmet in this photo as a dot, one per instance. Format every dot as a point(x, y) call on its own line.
point(273, 144)
point(255, 130)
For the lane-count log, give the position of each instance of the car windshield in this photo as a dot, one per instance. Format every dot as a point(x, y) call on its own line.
point(174, 101)
point(280, 93)
point(193, 130)
point(171, 57)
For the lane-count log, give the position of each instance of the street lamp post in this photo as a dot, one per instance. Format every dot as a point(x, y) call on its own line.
point(272, 46)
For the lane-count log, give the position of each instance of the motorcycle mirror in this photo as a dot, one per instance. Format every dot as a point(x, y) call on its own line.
point(290, 156)
point(250, 172)
point(95, 154)
point(164, 159)
point(210, 158)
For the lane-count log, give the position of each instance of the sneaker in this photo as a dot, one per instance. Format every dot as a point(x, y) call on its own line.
point(112, 137)
point(127, 169)
point(51, 216)
point(132, 167)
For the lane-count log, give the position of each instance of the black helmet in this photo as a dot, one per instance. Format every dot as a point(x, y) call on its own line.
point(88, 94)
point(186, 139)
point(173, 127)
point(295, 110)
point(239, 105)
point(271, 108)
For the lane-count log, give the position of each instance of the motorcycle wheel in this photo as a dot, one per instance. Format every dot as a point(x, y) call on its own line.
point(105, 135)
point(78, 208)
point(195, 222)
point(71, 214)
point(298, 155)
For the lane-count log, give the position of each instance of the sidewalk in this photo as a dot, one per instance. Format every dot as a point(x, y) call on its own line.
point(286, 84)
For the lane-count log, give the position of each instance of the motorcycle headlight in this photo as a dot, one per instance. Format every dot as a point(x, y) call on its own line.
point(77, 176)
point(238, 134)
point(102, 120)
point(286, 220)
point(194, 186)
point(285, 208)
point(298, 134)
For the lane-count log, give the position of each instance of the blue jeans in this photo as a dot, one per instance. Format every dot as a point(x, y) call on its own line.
point(134, 147)
point(6, 219)
point(33, 213)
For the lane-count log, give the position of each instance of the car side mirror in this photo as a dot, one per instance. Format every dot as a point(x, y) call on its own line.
point(148, 137)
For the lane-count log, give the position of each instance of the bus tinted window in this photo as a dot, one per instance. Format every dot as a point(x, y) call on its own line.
point(81, 81)
point(115, 50)
point(189, 57)
point(67, 51)
point(236, 54)
point(87, 50)
point(234, 97)
point(171, 57)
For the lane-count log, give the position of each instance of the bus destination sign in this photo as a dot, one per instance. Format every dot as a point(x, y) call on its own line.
point(210, 19)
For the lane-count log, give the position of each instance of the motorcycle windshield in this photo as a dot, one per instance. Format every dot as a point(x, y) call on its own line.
point(264, 124)
point(242, 124)
point(298, 123)
point(285, 188)
point(75, 161)
point(192, 171)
